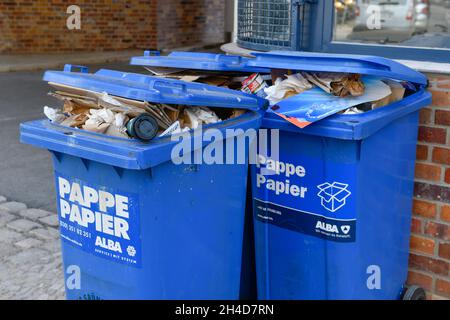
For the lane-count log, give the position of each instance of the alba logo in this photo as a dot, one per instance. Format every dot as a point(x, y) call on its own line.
point(345, 229)
point(327, 227)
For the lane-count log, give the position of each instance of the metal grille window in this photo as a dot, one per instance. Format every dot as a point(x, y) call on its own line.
point(272, 24)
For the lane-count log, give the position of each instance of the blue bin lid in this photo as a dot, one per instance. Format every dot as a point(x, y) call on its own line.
point(292, 60)
point(310, 61)
point(197, 61)
point(154, 89)
point(127, 153)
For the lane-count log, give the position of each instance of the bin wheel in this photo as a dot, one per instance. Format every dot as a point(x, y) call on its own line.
point(414, 293)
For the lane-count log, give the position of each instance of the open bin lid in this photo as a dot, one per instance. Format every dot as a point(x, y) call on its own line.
point(198, 61)
point(292, 60)
point(325, 62)
point(135, 154)
point(339, 126)
point(154, 89)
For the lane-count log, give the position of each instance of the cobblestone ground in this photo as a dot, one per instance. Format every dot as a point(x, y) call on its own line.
point(30, 253)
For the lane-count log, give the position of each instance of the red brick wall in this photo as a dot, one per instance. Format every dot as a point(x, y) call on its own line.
point(40, 26)
point(189, 22)
point(32, 26)
point(430, 240)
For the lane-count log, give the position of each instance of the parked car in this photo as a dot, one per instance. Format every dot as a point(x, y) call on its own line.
point(422, 16)
point(344, 10)
point(384, 20)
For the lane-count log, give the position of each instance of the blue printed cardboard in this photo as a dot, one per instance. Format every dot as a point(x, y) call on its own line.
point(315, 104)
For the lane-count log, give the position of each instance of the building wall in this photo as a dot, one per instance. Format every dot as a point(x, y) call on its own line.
point(34, 26)
point(430, 240)
point(190, 22)
point(40, 26)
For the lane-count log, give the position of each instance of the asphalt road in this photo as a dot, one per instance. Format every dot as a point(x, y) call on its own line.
point(26, 173)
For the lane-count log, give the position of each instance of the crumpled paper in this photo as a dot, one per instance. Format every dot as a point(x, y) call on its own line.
point(75, 120)
point(282, 89)
point(196, 116)
point(337, 84)
point(72, 107)
point(118, 127)
point(99, 120)
point(54, 115)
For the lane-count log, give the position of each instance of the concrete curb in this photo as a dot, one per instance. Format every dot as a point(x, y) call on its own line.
point(12, 63)
point(23, 63)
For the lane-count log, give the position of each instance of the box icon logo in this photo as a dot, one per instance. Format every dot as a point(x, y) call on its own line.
point(333, 195)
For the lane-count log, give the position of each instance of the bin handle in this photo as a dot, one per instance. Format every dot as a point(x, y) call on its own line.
point(149, 53)
point(230, 60)
point(72, 68)
point(164, 87)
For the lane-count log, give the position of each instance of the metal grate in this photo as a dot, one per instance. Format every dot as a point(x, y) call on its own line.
point(272, 24)
point(304, 20)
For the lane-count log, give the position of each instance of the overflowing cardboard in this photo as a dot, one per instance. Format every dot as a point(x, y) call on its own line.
point(110, 115)
point(337, 84)
point(282, 86)
point(292, 84)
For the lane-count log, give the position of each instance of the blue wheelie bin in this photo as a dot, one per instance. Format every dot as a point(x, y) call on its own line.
point(135, 225)
point(332, 221)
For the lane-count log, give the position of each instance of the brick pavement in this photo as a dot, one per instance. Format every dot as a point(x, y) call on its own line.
point(30, 253)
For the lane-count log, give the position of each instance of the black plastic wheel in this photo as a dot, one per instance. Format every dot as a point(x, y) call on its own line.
point(414, 293)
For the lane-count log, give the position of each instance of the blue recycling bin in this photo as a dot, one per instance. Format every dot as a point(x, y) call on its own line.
point(332, 214)
point(135, 225)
